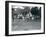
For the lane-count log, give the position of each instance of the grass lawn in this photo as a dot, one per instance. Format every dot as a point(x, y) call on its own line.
point(20, 25)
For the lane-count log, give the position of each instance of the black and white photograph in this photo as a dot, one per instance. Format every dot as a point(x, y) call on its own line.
point(25, 18)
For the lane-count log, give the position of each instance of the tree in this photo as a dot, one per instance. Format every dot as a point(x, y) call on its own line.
point(13, 14)
point(35, 12)
point(39, 12)
point(25, 11)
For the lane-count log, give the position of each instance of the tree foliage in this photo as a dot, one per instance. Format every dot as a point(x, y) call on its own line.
point(34, 11)
point(25, 11)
